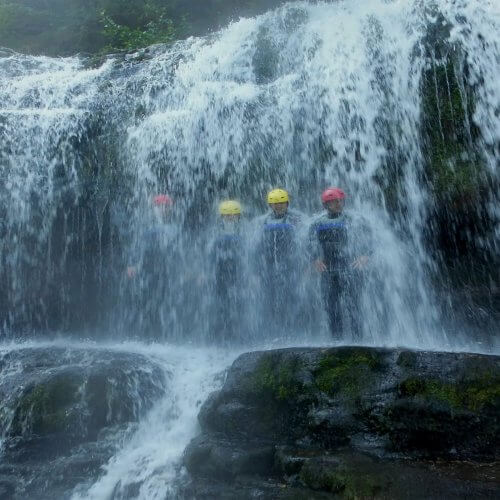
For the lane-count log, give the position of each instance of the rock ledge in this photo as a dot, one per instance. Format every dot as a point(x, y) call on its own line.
point(355, 422)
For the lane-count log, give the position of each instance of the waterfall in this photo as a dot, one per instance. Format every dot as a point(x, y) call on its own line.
point(303, 97)
point(397, 102)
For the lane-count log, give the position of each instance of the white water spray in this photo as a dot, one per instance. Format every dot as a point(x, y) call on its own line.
point(304, 97)
point(148, 464)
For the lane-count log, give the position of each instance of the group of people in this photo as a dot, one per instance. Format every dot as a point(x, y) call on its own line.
point(332, 248)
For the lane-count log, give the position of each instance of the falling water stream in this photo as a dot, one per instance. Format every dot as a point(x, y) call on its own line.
point(302, 97)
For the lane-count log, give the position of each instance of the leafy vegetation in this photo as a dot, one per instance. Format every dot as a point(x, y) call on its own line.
point(64, 27)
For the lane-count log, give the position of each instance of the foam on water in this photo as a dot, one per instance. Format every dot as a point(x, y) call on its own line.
point(150, 459)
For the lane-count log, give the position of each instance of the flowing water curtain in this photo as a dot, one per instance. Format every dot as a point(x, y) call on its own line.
point(52, 224)
point(470, 161)
point(305, 96)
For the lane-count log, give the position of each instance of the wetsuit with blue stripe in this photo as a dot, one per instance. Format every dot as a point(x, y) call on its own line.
point(278, 252)
point(329, 237)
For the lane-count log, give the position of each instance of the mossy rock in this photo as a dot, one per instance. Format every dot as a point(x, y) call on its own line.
point(318, 476)
point(442, 416)
point(48, 407)
point(275, 379)
point(75, 394)
point(348, 372)
point(473, 395)
point(341, 478)
point(455, 168)
point(407, 359)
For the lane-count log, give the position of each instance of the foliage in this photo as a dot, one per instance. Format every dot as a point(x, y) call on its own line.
point(64, 27)
point(124, 37)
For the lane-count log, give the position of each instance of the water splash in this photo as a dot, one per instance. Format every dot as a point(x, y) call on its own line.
point(148, 466)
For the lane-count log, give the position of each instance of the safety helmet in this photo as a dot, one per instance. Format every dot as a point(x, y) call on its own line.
point(230, 207)
point(332, 193)
point(162, 199)
point(277, 196)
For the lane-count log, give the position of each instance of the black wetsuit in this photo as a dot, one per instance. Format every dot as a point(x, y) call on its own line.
point(329, 237)
point(226, 256)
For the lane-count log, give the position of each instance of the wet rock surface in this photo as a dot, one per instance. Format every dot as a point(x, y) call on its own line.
point(351, 422)
point(64, 411)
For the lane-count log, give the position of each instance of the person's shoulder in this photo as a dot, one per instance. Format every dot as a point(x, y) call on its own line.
point(318, 218)
point(267, 218)
point(262, 219)
point(295, 216)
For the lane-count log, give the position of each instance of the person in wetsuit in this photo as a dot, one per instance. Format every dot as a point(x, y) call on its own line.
point(154, 273)
point(226, 258)
point(330, 236)
point(278, 259)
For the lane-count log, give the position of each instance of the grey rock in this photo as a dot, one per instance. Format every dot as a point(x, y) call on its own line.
point(352, 422)
point(63, 411)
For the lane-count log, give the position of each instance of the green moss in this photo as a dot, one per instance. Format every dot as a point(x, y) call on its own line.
point(472, 395)
point(454, 170)
point(349, 483)
point(44, 409)
point(359, 486)
point(321, 478)
point(275, 379)
point(346, 372)
point(407, 359)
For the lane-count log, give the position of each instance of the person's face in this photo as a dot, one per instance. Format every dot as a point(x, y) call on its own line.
point(335, 206)
point(230, 220)
point(279, 209)
point(163, 212)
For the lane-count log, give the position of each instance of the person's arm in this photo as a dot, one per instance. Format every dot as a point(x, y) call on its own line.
point(314, 250)
point(133, 266)
point(137, 253)
point(132, 271)
point(360, 262)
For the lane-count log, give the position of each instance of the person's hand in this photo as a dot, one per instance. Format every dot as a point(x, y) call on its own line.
point(320, 266)
point(201, 279)
point(361, 262)
point(131, 272)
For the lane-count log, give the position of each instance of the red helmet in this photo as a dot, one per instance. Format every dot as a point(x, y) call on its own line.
point(162, 199)
point(332, 194)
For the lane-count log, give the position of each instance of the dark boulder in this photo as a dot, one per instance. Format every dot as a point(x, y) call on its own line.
point(351, 421)
point(63, 411)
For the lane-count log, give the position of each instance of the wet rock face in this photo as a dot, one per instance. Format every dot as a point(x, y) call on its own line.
point(62, 411)
point(356, 422)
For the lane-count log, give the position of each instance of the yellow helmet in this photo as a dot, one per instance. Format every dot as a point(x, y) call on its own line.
point(277, 196)
point(230, 207)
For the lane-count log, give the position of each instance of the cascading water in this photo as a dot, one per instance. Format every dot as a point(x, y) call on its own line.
point(395, 101)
